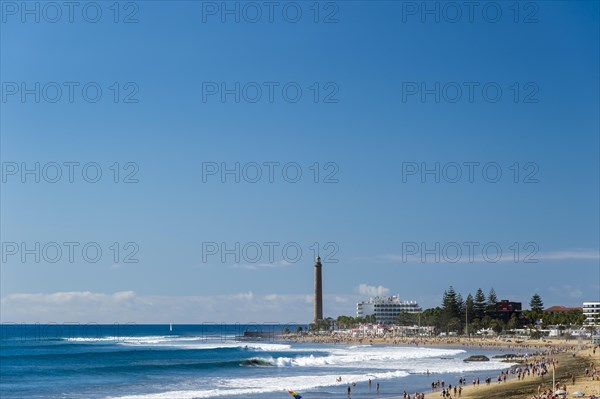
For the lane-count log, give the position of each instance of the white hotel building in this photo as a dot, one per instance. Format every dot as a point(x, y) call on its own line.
point(386, 309)
point(591, 311)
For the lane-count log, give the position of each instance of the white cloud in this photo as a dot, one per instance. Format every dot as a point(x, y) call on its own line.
point(507, 255)
point(578, 254)
point(72, 296)
point(245, 296)
point(256, 266)
point(567, 291)
point(129, 307)
point(371, 290)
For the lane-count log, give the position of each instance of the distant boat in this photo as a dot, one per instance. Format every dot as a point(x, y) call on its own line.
point(170, 327)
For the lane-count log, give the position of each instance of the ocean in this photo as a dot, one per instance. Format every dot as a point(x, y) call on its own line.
point(208, 361)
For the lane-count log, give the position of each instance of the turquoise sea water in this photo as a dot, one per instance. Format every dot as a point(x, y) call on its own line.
point(206, 361)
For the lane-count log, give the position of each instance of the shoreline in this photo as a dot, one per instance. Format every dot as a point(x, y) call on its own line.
point(571, 358)
point(569, 375)
point(484, 343)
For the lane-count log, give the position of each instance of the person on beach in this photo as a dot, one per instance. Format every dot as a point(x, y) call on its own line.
point(377, 387)
point(348, 391)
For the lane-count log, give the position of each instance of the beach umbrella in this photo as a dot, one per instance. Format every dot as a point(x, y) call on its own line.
point(560, 392)
point(295, 395)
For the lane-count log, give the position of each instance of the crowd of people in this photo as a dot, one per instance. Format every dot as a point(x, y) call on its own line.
point(536, 361)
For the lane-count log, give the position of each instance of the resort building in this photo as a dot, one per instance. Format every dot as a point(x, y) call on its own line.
point(591, 311)
point(386, 309)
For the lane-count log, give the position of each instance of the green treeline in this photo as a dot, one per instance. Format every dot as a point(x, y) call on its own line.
point(460, 315)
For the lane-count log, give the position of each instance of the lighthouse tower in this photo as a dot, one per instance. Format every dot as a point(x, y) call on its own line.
point(318, 290)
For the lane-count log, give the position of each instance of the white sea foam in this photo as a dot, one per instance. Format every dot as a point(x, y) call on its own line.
point(455, 366)
point(387, 358)
point(248, 386)
point(244, 345)
point(361, 362)
point(133, 339)
point(176, 342)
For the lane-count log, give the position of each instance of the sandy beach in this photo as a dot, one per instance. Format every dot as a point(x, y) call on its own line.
point(570, 357)
point(482, 342)
point(569, 375)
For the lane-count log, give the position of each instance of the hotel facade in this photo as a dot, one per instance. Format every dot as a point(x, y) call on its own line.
point(591, 311)
point(386, 309)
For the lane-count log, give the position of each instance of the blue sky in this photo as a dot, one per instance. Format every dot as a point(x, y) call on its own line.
point(365, 131)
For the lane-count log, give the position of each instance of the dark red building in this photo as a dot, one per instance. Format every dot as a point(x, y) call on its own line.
point(506, 308)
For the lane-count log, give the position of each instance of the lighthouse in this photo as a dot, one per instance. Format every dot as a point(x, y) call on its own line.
point(318, 290)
